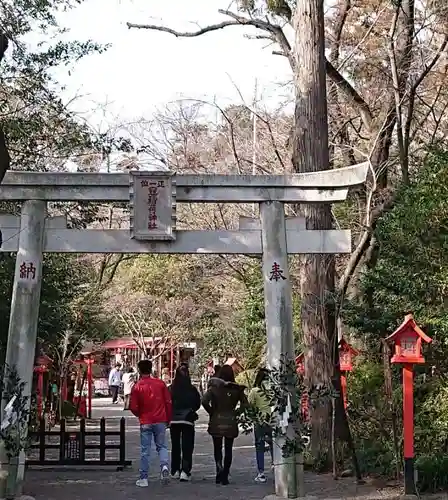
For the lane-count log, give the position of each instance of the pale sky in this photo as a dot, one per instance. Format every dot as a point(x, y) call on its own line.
point(144, 70)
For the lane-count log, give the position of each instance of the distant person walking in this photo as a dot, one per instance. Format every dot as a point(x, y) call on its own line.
point(150, 402)
point(115, 382)
point(220, 402)
point(186, 403)
point(262, 429)
point(166, 377)
point(128, 383)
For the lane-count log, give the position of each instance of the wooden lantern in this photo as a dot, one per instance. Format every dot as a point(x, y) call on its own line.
point(407, 339)
point(346, 355)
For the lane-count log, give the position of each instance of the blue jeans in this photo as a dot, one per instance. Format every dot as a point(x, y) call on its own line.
point(147, 432)
point(263, 435)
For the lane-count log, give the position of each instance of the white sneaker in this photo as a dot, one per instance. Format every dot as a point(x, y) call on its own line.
point(165, 475)
point(176, 475)
point(261, 478)
point(141, 483)
point(184, 477)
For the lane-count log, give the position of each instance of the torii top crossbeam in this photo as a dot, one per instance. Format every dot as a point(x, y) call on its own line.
point(152, 198)
point(313, 187)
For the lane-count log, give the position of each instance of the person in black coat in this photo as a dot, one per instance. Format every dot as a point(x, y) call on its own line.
point(220, 402)
point(186, 402)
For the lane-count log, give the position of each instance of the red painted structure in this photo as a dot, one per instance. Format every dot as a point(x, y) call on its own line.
point(407, 339)
point(89, 362)
point(167, 356)
point(85, 407)
point(304, 400)
point(42, 365)
point(346, 355)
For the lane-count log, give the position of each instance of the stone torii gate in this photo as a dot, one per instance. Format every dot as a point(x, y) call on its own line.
point(153, 197)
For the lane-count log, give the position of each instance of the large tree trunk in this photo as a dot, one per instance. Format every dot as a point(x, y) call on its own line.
point(4, 153)
point(310, 154)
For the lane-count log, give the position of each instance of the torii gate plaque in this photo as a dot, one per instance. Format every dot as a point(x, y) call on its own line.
point(152, 202)
point(152, 230)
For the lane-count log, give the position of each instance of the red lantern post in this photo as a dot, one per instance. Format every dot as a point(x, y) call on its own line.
point(407, 339)
point(346, 355)
point(89, 363)
point(300, 364)
point(304, 402)
point(40, 370)
point(42, 363)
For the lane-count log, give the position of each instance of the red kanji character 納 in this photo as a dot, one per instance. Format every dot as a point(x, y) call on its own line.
point(27, 271)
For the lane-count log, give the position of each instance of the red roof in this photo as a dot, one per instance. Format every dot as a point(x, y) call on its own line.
point(409, 322)
point(43, 359)
point(118, 343)
point(129, 343)
point(345, 346)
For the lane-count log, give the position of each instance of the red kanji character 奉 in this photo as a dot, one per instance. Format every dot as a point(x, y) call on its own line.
point(276, 273)
point(144, 183)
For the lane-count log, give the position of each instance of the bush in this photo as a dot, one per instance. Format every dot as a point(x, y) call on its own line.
point(432, 473)
point(377, 458)
point(408, 272)
point(371, 422)
point(246, 378)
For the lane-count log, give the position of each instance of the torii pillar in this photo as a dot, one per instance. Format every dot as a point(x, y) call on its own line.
point(22, 333)
point(279, 326)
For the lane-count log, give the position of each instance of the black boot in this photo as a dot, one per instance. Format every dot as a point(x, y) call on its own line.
point(225, 477)
point(219, 473)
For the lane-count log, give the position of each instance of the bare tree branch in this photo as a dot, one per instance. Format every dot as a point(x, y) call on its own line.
point(413, 92)
point(184, 34)
point(278, 34)
point(397, 92)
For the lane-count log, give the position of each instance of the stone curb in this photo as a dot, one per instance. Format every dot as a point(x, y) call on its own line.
point(22, 497)
point(433, 496)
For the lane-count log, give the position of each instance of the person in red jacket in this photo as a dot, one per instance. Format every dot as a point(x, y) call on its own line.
point(150, 402)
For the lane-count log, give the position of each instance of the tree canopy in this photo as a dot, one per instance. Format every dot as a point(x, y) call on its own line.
point(411, 270)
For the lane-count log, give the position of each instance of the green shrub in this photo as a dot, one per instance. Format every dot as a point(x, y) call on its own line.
point(246, 378)
point(377, 458)
point(432, 473)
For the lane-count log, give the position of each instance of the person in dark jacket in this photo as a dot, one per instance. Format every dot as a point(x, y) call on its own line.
point(186, 402)
point(220, 402)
